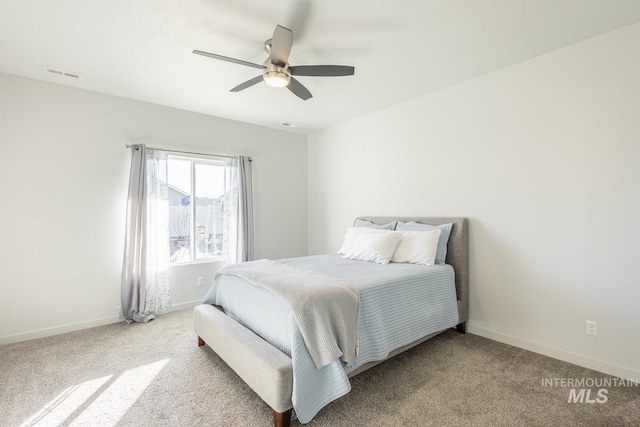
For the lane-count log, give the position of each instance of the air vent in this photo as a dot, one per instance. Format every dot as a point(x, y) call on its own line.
point(62, 73)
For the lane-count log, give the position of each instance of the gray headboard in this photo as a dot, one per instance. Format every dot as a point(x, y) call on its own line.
point(457, 251)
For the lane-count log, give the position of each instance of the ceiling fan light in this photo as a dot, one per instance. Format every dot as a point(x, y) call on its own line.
point(276, 78)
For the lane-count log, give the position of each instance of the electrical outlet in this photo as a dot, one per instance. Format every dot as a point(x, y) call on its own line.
point(592, 328)
point(200, 282)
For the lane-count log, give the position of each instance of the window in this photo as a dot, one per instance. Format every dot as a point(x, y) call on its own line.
point(196, 203)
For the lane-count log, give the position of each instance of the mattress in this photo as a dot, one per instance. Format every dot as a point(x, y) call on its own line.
point(399, 303)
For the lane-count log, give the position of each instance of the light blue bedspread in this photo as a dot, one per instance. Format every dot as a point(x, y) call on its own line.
point(399, 303)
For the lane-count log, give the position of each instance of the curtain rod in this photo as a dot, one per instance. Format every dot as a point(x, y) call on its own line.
point(184, 152)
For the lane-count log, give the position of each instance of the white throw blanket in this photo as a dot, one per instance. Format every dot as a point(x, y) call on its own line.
point(326, 308)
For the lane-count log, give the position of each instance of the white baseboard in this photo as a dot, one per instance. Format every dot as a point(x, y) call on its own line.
point(576, 359)
point(56, 330)
point(71, 327)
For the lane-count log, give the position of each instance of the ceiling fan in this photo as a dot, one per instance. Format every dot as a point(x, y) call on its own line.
point(276, 70)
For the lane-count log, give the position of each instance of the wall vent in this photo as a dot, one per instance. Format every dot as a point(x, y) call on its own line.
point(62, 73)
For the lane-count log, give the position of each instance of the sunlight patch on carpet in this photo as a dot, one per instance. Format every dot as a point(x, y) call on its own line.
point(65, 404)
point(107, 409)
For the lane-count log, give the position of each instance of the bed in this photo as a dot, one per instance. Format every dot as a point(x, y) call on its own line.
point(278, 367)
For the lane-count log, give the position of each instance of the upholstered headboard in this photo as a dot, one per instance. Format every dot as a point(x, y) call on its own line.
point(457, 251)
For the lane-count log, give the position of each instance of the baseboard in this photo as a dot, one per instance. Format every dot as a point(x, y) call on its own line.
point(576, 359)
point(71, 327)
point(48, 332)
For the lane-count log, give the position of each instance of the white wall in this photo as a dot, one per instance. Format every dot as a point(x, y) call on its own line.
point(64, 174)
point(544, 158)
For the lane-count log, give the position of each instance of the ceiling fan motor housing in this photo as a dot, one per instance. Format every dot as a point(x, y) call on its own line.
point(275, 75)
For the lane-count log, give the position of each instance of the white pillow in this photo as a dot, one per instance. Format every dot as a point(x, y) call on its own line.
point(351, 235)
point(417, 247)
point(375, 247)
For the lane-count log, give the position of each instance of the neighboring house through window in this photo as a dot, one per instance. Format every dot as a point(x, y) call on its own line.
point(197, 189)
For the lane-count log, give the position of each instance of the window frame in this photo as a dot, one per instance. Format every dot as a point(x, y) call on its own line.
point(194, 159)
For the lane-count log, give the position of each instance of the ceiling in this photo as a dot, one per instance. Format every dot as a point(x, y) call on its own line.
point(401, 49)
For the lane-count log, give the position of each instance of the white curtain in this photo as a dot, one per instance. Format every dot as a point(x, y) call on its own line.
point(145, 281)
point(158, 295)
point(238, 243)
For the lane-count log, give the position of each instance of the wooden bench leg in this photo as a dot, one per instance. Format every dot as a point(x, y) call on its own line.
point(200, 342)
point(282, 419)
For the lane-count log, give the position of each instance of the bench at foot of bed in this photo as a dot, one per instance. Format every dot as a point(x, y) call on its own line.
point(264, 368)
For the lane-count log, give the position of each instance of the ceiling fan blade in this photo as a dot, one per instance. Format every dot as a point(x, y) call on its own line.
point(281, 45)
point(226, 58)
point(299, 90)
point(248, 83)
point(322, 70)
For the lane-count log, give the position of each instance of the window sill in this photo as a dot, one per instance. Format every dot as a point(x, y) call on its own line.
point(198, 261)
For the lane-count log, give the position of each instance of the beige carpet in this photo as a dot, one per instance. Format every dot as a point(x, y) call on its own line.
point(155, 375)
